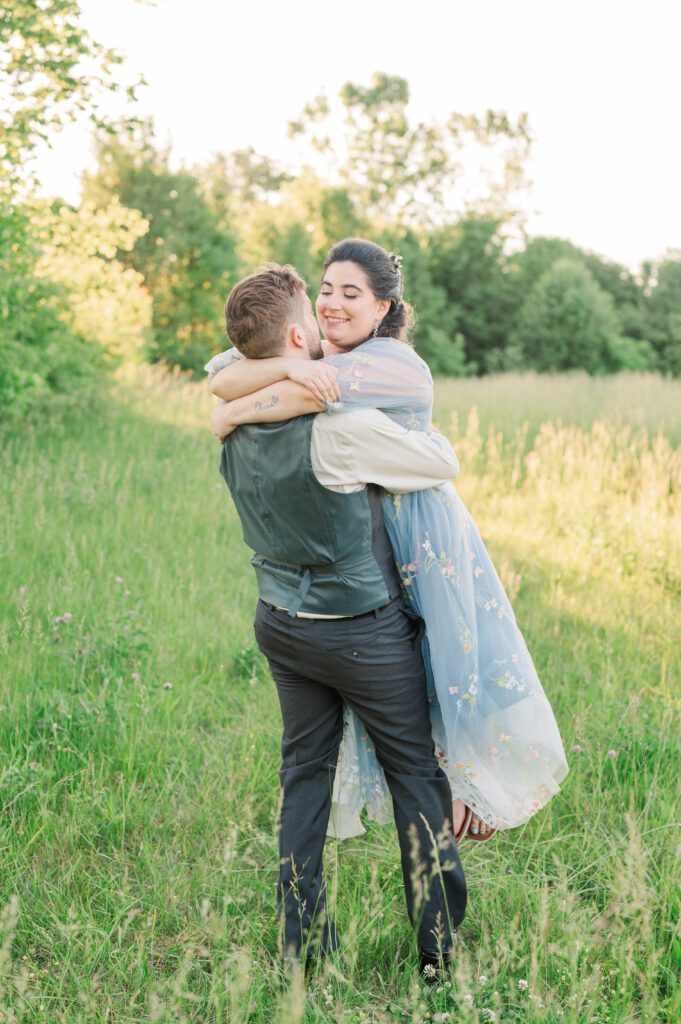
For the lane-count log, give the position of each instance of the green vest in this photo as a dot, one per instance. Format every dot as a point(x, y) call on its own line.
point(314, 548)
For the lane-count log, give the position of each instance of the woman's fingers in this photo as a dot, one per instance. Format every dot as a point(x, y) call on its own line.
point(322, 383)
point(317, 378)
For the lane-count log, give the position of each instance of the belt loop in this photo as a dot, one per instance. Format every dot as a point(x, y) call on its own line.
point(301, 594)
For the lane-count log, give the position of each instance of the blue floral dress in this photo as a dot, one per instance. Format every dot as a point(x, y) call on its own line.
point(494, 731)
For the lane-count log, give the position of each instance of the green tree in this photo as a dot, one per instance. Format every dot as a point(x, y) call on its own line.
point(469, 265)
point(108, 305)
point(567, 321)
point(188, 262)
point(51, 70)
point(627, 292)
point(664, 314)
point(308, 217)
point(401, 172)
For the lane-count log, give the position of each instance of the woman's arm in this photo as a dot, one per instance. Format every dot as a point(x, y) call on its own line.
point(284, 400)
point(383, 374)
point(246, 376)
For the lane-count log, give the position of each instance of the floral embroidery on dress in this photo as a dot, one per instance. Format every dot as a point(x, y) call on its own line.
point(446, 566)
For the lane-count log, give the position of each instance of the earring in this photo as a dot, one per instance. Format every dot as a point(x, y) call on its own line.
point(375, 330)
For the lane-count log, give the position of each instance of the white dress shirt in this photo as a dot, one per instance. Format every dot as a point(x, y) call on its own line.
point(353, 449)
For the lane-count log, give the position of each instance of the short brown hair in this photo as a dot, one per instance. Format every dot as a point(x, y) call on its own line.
point(261, 307)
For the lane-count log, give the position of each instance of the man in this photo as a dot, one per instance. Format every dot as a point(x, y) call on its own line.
point(332, 624)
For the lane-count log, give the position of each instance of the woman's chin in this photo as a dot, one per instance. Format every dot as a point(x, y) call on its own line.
point(342, 339)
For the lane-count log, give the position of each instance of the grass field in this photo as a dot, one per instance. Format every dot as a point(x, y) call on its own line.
point(139, 730)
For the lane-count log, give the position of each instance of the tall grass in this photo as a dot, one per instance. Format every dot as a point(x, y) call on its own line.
point(139, 730)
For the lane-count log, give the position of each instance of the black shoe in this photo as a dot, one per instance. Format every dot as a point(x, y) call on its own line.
point(434, 965)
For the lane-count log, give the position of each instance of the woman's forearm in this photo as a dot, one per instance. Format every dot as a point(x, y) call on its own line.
point(246, 376)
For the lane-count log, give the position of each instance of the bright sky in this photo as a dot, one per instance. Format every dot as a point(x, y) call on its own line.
point(599, 79)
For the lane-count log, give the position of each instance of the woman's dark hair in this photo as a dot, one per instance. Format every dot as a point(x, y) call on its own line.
point(385, 280)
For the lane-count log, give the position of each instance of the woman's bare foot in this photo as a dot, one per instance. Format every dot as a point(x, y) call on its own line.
point(459, 811)
point(479, 827)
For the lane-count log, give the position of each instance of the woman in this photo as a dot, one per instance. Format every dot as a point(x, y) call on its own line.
point(494, 731)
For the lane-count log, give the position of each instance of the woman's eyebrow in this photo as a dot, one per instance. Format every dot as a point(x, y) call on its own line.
point(355, 286)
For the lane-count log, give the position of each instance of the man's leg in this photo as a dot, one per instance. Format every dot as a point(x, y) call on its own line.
point(313, 728)
point(382, 677)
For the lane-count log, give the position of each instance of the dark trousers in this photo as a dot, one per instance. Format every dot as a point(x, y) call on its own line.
point(372, 662)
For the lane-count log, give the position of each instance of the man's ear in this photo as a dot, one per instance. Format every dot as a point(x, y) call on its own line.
point(296, 337)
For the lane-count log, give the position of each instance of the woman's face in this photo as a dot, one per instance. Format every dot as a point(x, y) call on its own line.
point(347, 309)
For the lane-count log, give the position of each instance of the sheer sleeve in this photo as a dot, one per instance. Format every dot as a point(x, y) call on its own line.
point(383, 374)
point(222, 359)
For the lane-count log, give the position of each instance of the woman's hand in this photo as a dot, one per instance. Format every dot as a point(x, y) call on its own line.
point(316, 376)
point(221, 422)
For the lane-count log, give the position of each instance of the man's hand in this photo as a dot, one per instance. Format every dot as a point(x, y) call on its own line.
point(317, 377)
point(220, 422)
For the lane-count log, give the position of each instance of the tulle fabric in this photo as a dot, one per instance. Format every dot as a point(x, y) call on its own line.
point(494, 731)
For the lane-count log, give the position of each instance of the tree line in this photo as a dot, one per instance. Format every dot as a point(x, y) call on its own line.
point(141, 267)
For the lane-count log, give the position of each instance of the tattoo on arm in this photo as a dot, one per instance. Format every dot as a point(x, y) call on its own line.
point(261, 406)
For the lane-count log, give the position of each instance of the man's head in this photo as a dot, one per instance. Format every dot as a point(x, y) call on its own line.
point(269, 314)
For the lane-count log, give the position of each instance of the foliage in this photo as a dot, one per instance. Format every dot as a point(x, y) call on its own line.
point(481, 305)
point(308, 217)
point(664, 311)
point(407, 173)
point(187, 261)
point(108, 304)
point(51, 70)
point(568, 321)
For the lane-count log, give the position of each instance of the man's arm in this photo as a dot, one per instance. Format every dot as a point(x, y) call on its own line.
point(282, 401)
point(367, 447)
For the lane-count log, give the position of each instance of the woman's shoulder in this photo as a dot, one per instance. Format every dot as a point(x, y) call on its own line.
point(395, 349)
point(385, 348)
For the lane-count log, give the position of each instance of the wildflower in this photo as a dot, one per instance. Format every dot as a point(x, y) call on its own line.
point(22, 592)
point(429, 971)
point(576, 749)
point(468, 999)
point(167, 686)
point(612, 753)
point(489, 1015)
point(135, 676)
point(522, 984)
point(66, 617)
point(482, 979)
point(119, 579)
point(127, 593)
point(57, 638)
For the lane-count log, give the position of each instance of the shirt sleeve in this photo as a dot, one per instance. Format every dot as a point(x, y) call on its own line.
point(366, 447)
point(222, 359)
